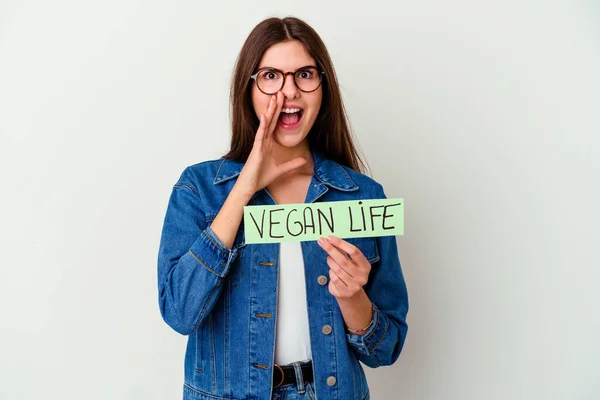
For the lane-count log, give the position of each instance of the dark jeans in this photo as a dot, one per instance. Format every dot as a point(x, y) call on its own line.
point(295, 392)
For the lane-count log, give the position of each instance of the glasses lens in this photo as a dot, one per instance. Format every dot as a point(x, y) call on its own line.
point(269, 81)
point(308, 79)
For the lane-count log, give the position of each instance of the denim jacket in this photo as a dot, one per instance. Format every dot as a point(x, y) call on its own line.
point(225, 299)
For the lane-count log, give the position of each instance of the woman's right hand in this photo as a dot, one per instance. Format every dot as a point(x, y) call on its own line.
point(260, 168)
point(258, 172)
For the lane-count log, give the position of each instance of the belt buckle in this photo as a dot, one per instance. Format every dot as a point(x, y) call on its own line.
point(282, 375)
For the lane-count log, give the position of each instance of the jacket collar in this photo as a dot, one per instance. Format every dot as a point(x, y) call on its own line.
point(327, 171)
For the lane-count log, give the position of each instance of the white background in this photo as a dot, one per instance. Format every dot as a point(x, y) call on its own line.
point(482, 115)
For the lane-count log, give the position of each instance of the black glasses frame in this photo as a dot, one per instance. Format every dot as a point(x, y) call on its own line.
point(285, 74)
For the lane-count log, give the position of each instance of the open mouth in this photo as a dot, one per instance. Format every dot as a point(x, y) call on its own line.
point(290, 118)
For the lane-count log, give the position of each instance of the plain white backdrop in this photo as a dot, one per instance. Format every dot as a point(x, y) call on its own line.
point(482, 115)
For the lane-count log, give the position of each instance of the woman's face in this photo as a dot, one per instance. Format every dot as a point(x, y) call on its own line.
point(289, 57)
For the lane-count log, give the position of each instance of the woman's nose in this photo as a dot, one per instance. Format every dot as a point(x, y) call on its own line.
point(289, 89)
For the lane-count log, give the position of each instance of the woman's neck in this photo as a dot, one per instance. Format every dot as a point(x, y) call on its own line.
point(283, 154)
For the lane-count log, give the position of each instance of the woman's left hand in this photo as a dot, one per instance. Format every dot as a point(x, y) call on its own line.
point(347, 274)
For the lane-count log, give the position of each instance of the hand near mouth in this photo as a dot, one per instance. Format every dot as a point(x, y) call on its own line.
point(260, 168)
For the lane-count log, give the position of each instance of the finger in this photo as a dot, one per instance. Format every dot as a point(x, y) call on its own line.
point(260, 133)
point(333, 287)
point(336, 254)
point(344, 275)
point(269, 114)
point(271, 110)
point(277, 111)
point(334, 279)
point(353, 252)
point(291, 165)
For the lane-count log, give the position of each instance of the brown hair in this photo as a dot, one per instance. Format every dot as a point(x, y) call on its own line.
point(330, 134)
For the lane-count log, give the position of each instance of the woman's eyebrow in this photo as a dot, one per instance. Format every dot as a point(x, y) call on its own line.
point(279, 69)
point(266, 67)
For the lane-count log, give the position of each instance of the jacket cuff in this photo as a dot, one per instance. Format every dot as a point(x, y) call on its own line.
point(212, 254)
point(367, 343)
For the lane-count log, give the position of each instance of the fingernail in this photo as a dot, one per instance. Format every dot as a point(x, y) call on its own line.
point(320, 240)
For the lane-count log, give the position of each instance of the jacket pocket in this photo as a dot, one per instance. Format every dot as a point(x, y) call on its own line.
point(235, 273)
point(201, 348)
point(204, 347)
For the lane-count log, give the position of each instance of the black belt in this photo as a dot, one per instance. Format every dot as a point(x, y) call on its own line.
point(285, 374)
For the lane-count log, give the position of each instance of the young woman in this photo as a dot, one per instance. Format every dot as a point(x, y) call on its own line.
point(289, 320)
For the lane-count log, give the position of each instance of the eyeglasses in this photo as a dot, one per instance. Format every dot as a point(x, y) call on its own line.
point(271, 80)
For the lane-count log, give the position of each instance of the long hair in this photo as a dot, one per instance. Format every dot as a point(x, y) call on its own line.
point(330, 134)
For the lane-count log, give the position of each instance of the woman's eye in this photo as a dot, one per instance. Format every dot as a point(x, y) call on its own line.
point(270, 75)
point(305, 74)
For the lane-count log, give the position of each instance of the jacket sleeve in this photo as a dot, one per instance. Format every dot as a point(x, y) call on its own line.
point(382, 343)
point(192, 261)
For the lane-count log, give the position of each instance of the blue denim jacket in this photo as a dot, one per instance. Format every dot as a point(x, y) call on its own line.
point(225, 299)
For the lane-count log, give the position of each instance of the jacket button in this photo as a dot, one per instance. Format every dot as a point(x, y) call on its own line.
point(322, 279)
point(326, 329)
point(331, 381)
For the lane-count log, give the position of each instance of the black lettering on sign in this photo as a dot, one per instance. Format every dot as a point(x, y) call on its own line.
point(374, 215)
point(271, 223)
point(362, 227)
point(312, 220)
point(262, 223)
point(323, 216)
point(352, 222)
point(362, 211)
point(386, 215)
point(287, 223)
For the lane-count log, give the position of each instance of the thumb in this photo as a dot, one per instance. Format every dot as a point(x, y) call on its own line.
point(291, 165)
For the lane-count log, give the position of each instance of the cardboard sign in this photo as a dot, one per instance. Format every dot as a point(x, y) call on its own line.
point(302, 222)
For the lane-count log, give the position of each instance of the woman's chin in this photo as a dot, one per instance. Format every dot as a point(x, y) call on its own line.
point(288, 139)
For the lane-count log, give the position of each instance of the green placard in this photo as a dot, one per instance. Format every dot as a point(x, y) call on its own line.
point(302, 222)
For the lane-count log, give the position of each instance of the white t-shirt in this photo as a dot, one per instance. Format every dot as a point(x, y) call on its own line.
point(292, 338)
